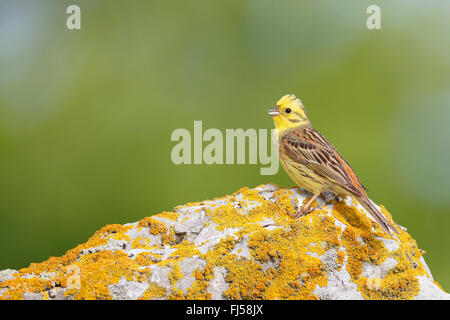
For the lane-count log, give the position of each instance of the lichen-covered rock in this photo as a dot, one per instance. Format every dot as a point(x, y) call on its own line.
point(242, 246)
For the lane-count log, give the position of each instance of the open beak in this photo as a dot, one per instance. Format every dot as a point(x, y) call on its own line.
point(273, 112)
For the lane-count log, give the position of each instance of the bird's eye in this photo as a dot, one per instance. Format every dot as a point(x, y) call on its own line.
point(288, 110)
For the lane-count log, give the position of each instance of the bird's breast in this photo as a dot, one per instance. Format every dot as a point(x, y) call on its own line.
point(303, 176)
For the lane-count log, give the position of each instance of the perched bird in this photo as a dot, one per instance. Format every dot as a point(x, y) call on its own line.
point(313, 162)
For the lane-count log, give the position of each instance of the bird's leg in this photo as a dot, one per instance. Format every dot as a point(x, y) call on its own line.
point(306, 207)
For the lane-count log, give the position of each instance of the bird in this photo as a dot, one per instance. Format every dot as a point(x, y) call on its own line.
point(312, 162)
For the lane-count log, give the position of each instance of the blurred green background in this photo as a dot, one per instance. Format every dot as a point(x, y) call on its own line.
point(86, 115)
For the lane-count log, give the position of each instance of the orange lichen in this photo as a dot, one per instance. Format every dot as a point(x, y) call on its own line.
point(285, 258)
point(153, 291)
point(184, 249)
point(175, 274)
point(147, 258)
point(155, 227)
point(169, 215)
point(198, 290)
point(141, 243)
point(400, 282)
point(176, 294)
point(340, 259)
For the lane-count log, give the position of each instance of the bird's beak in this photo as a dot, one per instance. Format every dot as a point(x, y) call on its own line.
point(273, 112)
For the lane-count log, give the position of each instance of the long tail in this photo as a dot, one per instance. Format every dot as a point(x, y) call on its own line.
point(377, 215)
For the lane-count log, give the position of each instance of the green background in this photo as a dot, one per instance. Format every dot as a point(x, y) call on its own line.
point(86, 115)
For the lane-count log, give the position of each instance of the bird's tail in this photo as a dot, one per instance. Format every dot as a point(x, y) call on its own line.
point(377, 215)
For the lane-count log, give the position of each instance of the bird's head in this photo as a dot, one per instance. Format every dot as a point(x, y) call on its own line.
point(288, 113)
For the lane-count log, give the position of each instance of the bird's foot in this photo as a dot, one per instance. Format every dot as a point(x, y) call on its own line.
point(304, 210)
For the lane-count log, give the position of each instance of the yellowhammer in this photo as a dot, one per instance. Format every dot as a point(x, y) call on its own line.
point(313, 162)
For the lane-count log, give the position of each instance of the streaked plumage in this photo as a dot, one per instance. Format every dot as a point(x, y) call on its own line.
point(313, 162)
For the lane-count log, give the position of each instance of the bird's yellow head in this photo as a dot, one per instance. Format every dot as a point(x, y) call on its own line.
point(289, 113)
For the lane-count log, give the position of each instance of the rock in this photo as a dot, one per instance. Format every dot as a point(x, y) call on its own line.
point(241, 246)
point(7, 274)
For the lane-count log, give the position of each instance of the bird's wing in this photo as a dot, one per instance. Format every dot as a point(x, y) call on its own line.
point(310, 148)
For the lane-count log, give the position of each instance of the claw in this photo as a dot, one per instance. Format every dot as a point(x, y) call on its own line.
point(303, 212)
point(294, 215)
point(306, 209)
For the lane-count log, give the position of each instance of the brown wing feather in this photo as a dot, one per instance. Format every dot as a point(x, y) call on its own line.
point(310, 148)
